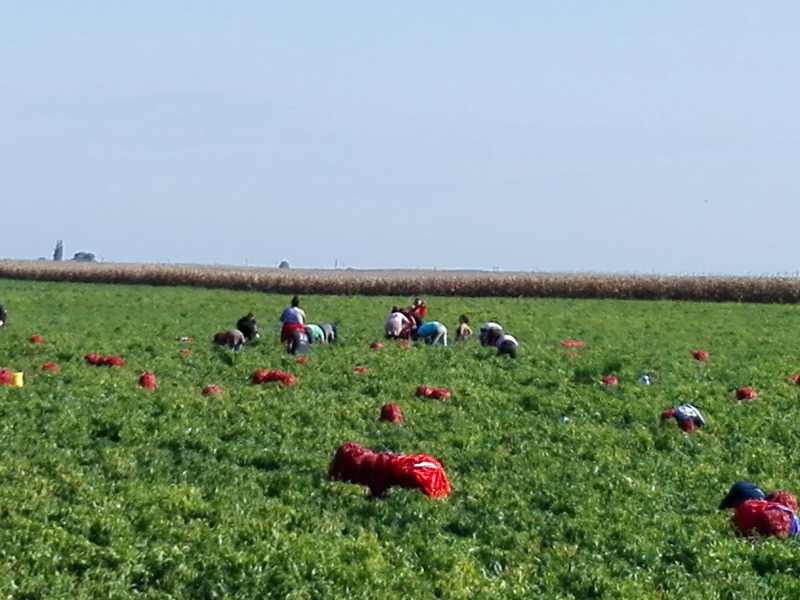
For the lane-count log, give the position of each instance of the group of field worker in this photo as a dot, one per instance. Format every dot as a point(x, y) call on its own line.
point(410, 324)
point(295, 333)
point(405, 324)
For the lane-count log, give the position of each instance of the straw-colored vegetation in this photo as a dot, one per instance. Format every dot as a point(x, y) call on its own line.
point(400, 282)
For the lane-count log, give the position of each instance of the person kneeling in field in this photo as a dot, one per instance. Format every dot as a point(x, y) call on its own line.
point(315, 333)
point(3, 315)
point(233, 339)
point(507, 345)
point(489, 332)
point(432, 332)
point(687, 415)
point(247, 325)
point(398, 325)
point(759, 514)
point(463, 331)
point(331, 331)
point(298, 342)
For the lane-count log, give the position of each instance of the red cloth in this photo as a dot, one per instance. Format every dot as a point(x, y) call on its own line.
point(380, 471)
point(6, 377)
point(418, 310)
point(289, 328)
point(762, 517)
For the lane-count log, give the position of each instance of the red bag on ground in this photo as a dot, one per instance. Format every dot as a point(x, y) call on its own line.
point(391, 412)
point(265, 376)
point(6, 377)
point(104, 360)
point(573, 344)
point(700, 355)
point(51, 366)
point(380, 471)
point(746, 393)
point(425, 391)
point(148, 380)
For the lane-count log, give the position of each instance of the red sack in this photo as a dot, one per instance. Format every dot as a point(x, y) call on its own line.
point(609, 380)
point(380, 471)
point(212, 390)
point(265, 376)
point(746, 393)
point(783, 497)
point(573, 344)
point(36, 339)
point(6, 377)
point(700, 355)
point(764, 518)
point(104, 361)
point(425, 391)
point(148, 380)
point(391, 412)
point(51, 366)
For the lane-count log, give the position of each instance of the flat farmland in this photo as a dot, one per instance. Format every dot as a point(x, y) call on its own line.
point(562, 487)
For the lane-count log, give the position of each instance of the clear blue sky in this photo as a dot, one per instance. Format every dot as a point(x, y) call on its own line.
point(633, 137)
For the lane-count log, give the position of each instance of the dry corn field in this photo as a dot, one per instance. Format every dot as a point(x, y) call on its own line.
point(416, 282)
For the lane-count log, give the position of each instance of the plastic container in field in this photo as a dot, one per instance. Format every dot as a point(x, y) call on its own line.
point(19, 379)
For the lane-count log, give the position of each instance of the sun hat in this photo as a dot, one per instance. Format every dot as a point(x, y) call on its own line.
point(739, 492)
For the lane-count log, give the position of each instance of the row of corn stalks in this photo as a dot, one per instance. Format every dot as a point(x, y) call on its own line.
point(421, 282)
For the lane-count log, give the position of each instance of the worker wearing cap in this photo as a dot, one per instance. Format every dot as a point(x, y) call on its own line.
point(756, 513)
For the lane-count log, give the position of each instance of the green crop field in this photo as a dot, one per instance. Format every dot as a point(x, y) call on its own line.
point(562, 487)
